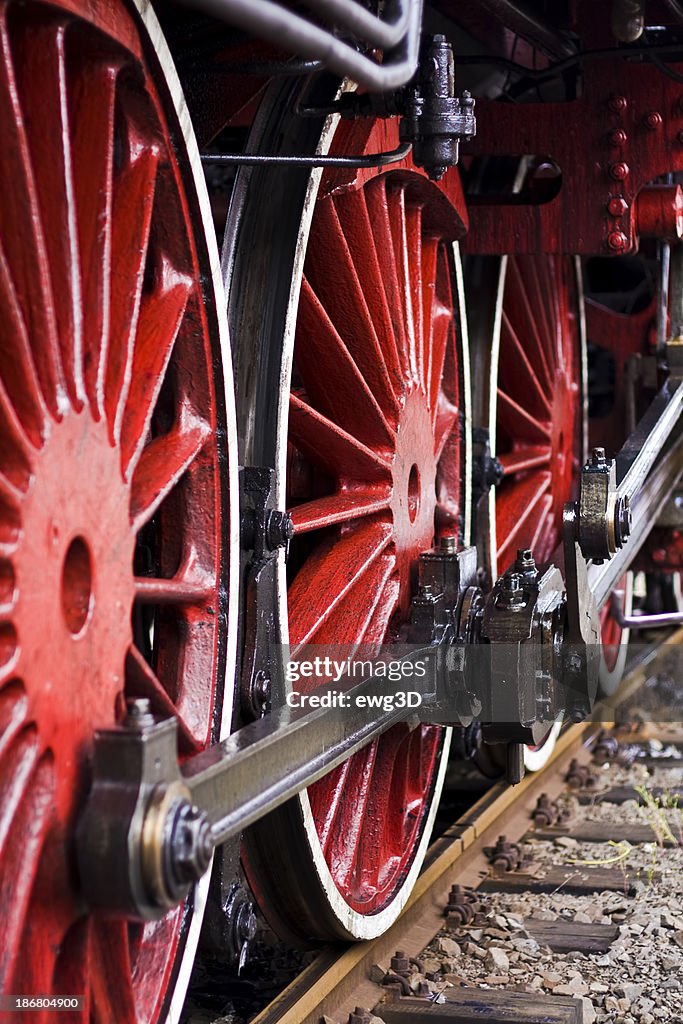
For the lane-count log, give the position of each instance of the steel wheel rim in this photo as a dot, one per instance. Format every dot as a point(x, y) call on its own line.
point(341, 918)
point(145, 453)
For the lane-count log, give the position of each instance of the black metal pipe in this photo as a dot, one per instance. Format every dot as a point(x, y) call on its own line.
point(361, 160)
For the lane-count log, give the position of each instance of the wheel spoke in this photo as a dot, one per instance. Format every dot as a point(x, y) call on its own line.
point(399, 233)
point(21, 843)
point(133, 203)
point(378, 209)
point(430, 312)
point(522, 317)
point(413, 218)
point(161, 315)
point(517, 510)
point(518, 423)
point(13, 705)
point(350, 823)
point(41, 59)
point(440, 333)
point(327, 800)
point(326, 577)
point(446, 423)
point(525, 457)
point(179, 590)
point(516, 371)
point(354, 217)
point(347, 625)
point(376, 630)
point(544, 526)
point(14, 449)
point(92, 96)
point(10, 494)
point(339, 508)
point(329, 446)
point(163, 463)
point(22, 233)
point(539, 297)
point(111, 959)
point(334, 278)
point(333, 379)
point(73, 967)
point(21, 400)
point(142, 681)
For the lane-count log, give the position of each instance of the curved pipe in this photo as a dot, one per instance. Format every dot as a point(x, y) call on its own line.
point(383, 32)
point(270, 21)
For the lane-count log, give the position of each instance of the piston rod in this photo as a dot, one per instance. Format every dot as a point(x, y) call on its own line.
point(651, 465)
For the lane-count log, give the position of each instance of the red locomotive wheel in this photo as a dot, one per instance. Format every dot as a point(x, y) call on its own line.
point(374, 434)
point(530, 348)
point(112, 484)
point(373, 457)
point(536, 410)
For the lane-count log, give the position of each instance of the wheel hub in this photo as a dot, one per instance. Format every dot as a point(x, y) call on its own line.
point(413, 499)
point(72, 575)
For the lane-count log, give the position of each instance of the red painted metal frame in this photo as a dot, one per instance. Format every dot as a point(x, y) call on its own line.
point(624, 132)
point(110, 480)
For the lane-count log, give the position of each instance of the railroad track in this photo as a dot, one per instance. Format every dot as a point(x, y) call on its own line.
point(339, 982)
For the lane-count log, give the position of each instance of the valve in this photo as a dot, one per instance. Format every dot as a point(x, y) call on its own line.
point(435, 119)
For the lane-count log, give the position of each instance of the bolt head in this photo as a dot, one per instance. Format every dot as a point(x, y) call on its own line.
point(653, 120)
point(617, 241)
point(191, 843)
point(513, 583)
point(618, 137)
point(525, 561)
point(617, 206)
point(619, 171)
point(139, 714)
point(622, 521)
point(617, 104)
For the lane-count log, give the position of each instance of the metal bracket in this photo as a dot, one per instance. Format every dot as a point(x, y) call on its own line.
point(521, 630)
point(604, 519)
point(265, 531)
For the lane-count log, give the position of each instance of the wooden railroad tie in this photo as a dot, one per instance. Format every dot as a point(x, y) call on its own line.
point(564, 878)
point(467, 1006)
